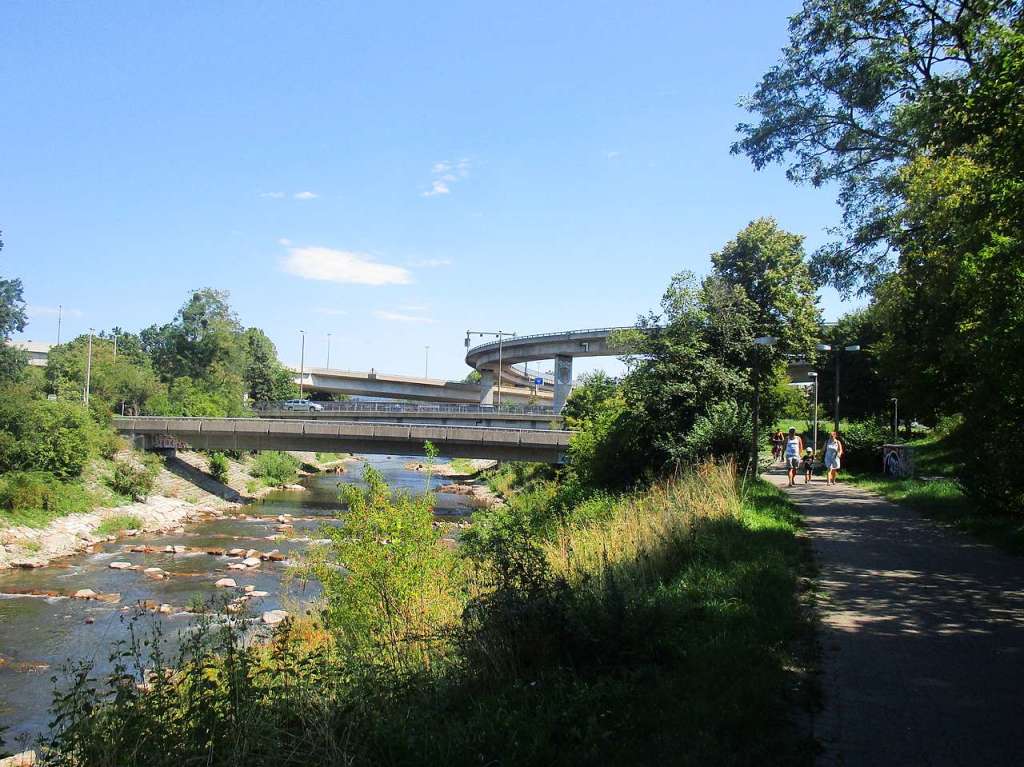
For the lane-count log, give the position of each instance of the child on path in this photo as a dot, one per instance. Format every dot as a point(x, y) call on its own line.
point(807, 465)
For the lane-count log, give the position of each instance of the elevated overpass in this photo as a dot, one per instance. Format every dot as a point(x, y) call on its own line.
point(562, 347)
point(150, 432)
point(374, 384)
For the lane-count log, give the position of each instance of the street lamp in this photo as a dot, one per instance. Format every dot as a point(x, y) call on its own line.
point(758, 342)
point(88, 371)
point(302, 362)
point(814, 375)
point(426, 361)
point(328, 351)
point(835, 403)
point(895, 418)
point(501, 334)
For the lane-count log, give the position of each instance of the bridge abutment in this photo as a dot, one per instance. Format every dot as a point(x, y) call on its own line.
point(487, 380)
point(563, 381)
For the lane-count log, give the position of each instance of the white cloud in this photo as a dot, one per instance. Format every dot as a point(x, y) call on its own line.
point(612, 155)
point(411, 308)
point(51, 311)
point(330, 312)
point(446, 173)
point(284, 241)
point(273, 195)
point(305, 195)
point(430, 263)
point(346, 267)
point(400, 317)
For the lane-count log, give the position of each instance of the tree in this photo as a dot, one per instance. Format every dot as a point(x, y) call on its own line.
point(12, 320)
point(127, 379)
point(588, 396)
point(769, 264)
point(265, 378)
point(837, 107)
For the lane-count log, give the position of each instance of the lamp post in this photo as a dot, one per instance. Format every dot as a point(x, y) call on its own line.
point(60, 316)
point(501, 334)
point(895, 418)
point(302, 362)
point(88, 371)
point(814, 438)
point(328, 351)
point(836, 349)
point(426, 361)
point(754, 449)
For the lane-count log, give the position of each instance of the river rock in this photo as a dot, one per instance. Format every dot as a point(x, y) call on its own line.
point(24, 759)
point(251, 561)
point(284, 528)
point(165, 609)
point(248, 588)
point(120, 565)
point(283, 518)
point(112, 598)
point(276, 556)
point(84, 594)
point(215, 552)
point(226, 583)
point(236, 566)
point(251, 553)
point(89, 620)
point(254, 594)
point(180, 549)
point(154, 572)
point(29, 564)
point(236, 552)
point(273, 617)
point(140, 549)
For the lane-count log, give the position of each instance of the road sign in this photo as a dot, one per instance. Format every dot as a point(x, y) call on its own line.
point(538, 381)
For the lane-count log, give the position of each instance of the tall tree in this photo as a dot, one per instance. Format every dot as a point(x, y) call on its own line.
point(12, 320)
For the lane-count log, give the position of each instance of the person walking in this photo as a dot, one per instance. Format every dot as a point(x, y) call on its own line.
point(794, 449)
point(833, 452)
point(777, 440)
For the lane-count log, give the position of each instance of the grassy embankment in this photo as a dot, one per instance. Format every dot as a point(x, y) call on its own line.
point(659, 626)
point(934, 492)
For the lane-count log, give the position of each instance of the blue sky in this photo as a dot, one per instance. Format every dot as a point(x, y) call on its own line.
point(392, 174)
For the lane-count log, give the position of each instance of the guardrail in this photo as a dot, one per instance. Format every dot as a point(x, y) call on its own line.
point(534, 336)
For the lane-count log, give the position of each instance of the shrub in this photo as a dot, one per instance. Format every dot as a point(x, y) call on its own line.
point(862, 443)
point(723, 431)
point(56, 437)
point(130, 481)
point(119, 523)
point(36, 497)
point(275, 468)
point(219, 467)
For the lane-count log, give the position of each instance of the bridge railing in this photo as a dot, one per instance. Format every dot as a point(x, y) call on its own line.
point(516, 339)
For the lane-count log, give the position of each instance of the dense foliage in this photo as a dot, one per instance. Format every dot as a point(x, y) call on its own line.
point(914, 109)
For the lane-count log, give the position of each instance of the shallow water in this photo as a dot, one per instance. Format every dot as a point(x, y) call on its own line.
point(38, 634)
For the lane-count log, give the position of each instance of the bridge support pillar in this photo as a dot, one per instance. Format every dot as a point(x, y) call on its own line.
point(563, 381)
point(487, 387)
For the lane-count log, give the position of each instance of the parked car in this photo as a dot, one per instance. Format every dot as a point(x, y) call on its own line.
point(304, 405)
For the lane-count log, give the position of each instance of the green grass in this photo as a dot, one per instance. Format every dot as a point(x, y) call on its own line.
point(118, 524)
point(461, 465)
point(34, 499)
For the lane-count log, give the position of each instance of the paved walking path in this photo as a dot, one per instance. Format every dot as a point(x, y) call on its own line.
point(922, 636)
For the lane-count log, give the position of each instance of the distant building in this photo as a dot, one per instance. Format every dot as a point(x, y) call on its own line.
point(37, 351)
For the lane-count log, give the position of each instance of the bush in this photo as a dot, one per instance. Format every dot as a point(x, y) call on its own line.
point(724, 431)
point(862, 443)
point(43, 435)
point(219, 467)
point(36, 497)
point(275, 468)
point(132, 482)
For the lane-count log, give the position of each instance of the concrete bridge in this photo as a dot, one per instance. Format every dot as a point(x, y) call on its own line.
point(149, 432)
point(561, 347)
point(374, 384)
point(440, 415)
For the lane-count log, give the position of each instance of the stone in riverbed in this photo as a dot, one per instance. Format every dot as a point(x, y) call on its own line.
point(276, 556)
point(274, 617)
point(236, 566)
point(248, 588)
point(255, 594)
point(120, 565)
point(165, 609)
point(215, 552)
point(226, 583)
point(140, 549)
point(84, 594)
point(236, 552)
point(109, 598)
point(251, 553)
point(89, 620)
point(180, 549)
point(251, 561)
point(155, 572)
point(29, 564)
point(168, 549)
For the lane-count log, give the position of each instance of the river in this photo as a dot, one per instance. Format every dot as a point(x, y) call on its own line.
point(39, 633)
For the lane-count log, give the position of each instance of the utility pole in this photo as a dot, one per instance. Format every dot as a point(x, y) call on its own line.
point(60, 316)
point(302, 362)
point(88, 371)
point(328, 351)
point(426, 362)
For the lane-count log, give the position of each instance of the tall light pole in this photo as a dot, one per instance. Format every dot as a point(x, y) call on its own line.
point(895, 418)
point(814, 375)
point(835, 401)
point(328, 351)
point(426, 361)
point(60, 316)
point(501, 334)
point(302, 362)
point(754, 448)
point(88, 371)
point(115, 346)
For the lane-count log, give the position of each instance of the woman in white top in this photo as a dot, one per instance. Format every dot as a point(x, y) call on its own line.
point(793, 449)
point(833, 452)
